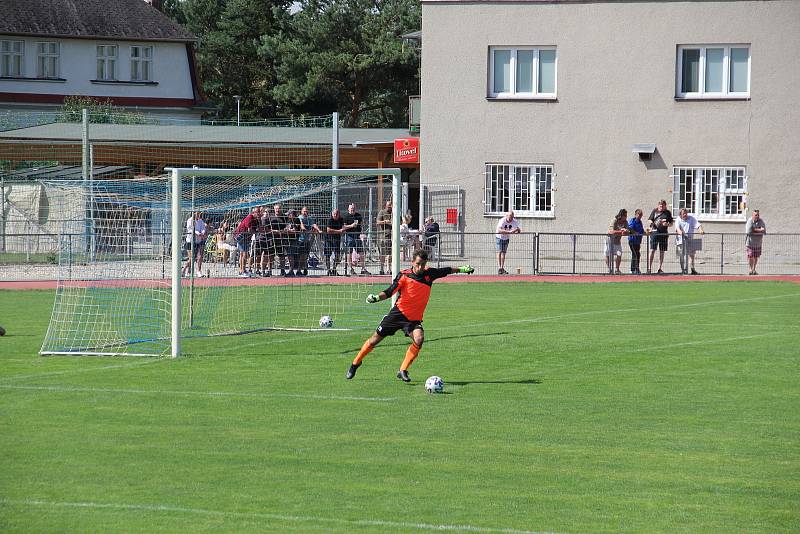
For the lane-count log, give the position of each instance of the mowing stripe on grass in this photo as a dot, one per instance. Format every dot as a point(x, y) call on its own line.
point(261, 515)
point(84, 370)
point(701, 342)
point(63, 389)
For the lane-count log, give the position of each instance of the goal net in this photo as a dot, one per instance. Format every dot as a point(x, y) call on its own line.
point(265, 248)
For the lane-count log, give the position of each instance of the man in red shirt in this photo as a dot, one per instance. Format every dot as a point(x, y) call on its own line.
point(244, 235)
point(414, 286)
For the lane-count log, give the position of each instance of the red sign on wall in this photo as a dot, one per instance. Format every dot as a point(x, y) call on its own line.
point(406, 150)
point(452, 216)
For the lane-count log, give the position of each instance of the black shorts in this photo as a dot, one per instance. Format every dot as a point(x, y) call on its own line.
point(262, 246)
point(659, 241)
point(395, 321)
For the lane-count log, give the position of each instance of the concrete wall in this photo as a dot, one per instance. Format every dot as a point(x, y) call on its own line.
point(616, 87)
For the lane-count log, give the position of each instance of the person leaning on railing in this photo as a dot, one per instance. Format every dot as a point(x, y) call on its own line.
point(755, 230)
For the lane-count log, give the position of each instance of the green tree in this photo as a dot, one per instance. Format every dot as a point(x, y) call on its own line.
point(100, 111)
point(346, 55)
point(228, 63)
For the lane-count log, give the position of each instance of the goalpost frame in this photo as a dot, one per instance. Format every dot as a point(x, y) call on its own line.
point(177, 223)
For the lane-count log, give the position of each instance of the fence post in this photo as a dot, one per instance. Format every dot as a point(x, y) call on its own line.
point(722, 254)
point(535, 240)
point(574, 251)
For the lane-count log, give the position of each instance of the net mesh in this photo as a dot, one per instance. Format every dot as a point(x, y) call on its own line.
point(114, 255)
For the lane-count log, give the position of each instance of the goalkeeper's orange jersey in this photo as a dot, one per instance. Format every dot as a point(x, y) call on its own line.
point(415, 290)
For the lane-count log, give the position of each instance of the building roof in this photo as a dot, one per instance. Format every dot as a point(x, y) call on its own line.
point(133, 20)
point(98, 133)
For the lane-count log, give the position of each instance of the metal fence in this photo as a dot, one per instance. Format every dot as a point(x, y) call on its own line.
point(36, 256)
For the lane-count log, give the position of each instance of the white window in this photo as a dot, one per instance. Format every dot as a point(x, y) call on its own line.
point(12, 59)
point(711, 192)
point(47, 54)
point(713, 71)
point(106, 62)
point(141, 63)
point(522, 72)
point(526, 189)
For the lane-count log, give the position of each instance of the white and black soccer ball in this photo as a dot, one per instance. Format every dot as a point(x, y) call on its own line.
point(434, 384)
point(325, 321)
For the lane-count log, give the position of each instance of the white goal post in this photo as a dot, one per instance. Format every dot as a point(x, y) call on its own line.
point(177, 229)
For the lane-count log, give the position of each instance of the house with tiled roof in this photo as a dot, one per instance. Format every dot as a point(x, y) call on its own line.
point(125, 51)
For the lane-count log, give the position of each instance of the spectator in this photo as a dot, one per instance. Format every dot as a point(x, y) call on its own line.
point(618, 228)
point(243, 235)
point(280, 244)
point(505, 227)
point(225, 242)
point(431, 237)
point(196, 233)
point(659, 222)
point(262, 245)
point(635, 231)
point(687, 246)
point(307, 230)
point(292, 233)
point(755, 229)
point(353, 240)
point(333, 241)
point(409, 237)
point(384, 223)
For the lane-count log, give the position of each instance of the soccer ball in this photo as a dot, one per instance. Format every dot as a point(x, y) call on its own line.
point(434, 384)
point(325, 321)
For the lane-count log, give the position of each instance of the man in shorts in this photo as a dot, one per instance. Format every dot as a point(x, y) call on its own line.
point(384, 223)
point(353, 245)
point(755, 229)
point(244, 235)
point(414, 286)
point(333, 241)
point(660, 220)
point(505, 227)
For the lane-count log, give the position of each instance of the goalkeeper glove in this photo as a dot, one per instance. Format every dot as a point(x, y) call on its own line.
point(371, 299)
point(465, 269)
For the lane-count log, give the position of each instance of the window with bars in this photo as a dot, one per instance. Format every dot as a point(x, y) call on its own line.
point(141, 63)
point(711, 192)
point(713, 71)
point(525, 188)
point(12, 58)
point(47, 58)
point(522, 72)
point(106, 62)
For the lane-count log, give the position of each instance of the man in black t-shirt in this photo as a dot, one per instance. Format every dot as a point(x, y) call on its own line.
point(333, 241)
point(353, 244)
point(277, 227)
point(660, 220)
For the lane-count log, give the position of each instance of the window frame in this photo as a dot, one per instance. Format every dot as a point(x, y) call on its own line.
point(513, 94)
point(140, 61)
point(9, 68)
point(106, 58)
point(707, 192)
point(55, 57)
point(522, 187)
point(701, 92)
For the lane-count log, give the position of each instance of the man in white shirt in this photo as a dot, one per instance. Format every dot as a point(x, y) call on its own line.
point(508, 225)
point(195, 239)
point(687, 245)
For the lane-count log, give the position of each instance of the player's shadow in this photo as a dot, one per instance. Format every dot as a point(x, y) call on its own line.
point(526, 381)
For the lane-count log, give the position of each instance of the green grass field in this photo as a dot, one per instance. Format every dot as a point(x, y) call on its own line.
point(568, 408)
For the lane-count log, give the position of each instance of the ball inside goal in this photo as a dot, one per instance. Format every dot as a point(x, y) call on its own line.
point(434, 384)
point(325, 321)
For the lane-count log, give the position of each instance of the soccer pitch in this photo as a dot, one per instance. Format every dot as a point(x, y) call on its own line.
point(568, 408)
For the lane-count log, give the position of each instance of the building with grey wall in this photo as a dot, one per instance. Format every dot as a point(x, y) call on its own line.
point(539, 106)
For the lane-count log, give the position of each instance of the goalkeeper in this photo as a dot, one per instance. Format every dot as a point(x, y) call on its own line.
point(414, 286)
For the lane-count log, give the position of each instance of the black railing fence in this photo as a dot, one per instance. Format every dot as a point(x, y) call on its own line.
point(38, 256)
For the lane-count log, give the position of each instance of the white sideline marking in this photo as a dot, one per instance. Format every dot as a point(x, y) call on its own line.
point(262, 515)
point(701, 342)
point(84, 370)
point(63, 389)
